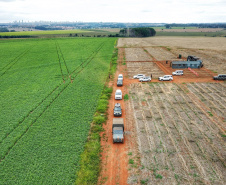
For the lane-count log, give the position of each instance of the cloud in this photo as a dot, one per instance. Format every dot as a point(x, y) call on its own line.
point(113, 11)
point(7, 0)
point(146, 11)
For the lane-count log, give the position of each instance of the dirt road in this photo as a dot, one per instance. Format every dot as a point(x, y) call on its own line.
point(114, 156)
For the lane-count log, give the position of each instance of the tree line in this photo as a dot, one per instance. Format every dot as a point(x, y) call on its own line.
point(199, 25)
point(137, 32)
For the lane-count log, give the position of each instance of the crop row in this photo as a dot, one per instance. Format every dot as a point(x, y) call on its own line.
point(52, 137)
point(177, 141)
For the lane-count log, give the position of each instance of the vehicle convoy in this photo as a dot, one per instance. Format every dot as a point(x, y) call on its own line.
point(145, 79)
point(118, 94)
point(220, 77)
point(120, 77)
point(118, 130)
point(138, 76)
point(178, 72)
point(117, 110)
point(119, 82)
point(165, 78)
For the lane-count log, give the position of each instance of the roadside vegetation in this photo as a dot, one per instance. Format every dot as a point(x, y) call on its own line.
point(90, 158)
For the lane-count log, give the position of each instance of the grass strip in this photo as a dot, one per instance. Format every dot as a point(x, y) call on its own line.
point(91, 157)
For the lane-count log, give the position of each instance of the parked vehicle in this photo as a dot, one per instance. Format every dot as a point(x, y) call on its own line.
point(117, 110)
point(118, 130)
point(118, 94)
point(220, 77)
point(166, 77)
point(120, 77)
point(119, 82)
point(138, 76)
point(178, 72)
point(145, 79)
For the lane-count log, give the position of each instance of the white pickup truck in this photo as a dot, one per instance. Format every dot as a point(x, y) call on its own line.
point(165, 78)
point(178, 72)
point(118, 94)
point(145, 79)
point(138, 76)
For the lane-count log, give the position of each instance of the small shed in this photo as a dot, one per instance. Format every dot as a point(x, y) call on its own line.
point(186, 64)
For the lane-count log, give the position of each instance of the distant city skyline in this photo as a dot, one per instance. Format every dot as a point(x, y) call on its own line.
point(126, 11)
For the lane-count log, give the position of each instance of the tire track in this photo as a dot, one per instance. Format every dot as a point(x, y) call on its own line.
point(14, 61)
point(61, 56)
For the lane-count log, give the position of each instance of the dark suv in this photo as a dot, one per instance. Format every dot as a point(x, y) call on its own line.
point(117, 110)
point(119, 82)
point(220, 77)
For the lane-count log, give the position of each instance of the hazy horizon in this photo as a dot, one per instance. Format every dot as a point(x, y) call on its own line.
point(143, 11)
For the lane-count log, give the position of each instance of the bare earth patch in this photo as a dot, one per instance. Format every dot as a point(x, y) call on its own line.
point(136, 54)
point(214, 43)
point(180, 139)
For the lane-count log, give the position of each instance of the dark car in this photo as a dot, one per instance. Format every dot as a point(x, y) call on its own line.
point(117, 110)
point(220, 77)
point(119, 82)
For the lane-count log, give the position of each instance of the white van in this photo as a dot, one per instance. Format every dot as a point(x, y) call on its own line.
point(118, 94)
point(178, 72)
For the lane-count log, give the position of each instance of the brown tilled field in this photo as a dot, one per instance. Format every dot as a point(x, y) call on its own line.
point(175, 131)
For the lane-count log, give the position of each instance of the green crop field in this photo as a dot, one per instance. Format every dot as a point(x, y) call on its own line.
point(52, 32)
point(49, 92)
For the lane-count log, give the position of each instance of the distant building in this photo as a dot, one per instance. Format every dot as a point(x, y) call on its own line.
point(186, 64)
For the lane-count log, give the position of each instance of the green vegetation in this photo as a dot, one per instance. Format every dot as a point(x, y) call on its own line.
point(114, 62)
point(59, 33)
point(126, 97)
point(90, 158)
point(49, 32)
point(138, 32)
point(210, 113)
point(50, 89)
point(131, 161)
point(144, 181)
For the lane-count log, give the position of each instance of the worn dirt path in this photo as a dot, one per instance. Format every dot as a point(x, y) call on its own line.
point(114, 156)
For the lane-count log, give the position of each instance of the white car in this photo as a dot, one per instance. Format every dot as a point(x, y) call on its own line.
point(145, 79)
point(118, 94)
point(178, 72)
point(120, 77)
point(166, 77)
point(139, 76)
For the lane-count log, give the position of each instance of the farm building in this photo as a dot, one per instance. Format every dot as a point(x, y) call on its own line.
point(186, 64)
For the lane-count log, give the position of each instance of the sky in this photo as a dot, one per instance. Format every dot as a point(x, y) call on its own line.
point(134, 11)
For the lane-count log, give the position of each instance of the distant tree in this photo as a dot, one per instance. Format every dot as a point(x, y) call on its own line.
point(4, 30)
point(142, 32)
point(168, 26)
point(123, 32)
